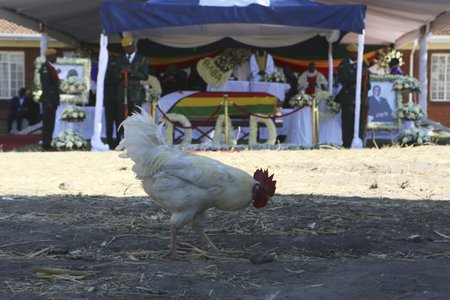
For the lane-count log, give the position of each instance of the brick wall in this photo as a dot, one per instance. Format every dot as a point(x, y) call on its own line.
point(437, 111)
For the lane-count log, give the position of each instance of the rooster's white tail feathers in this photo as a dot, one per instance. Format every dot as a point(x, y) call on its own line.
point(143, 143)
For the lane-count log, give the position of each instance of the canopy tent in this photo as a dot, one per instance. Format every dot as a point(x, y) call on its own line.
point(281, 23)
point(188, 24)
point(75, 22)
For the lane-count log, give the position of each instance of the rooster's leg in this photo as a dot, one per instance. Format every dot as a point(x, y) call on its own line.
point(199, 230)
point(173, 242)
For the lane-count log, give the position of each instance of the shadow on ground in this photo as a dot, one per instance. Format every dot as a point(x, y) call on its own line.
point(323, 248)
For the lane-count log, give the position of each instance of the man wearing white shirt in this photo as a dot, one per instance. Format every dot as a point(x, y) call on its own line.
point(261, 65)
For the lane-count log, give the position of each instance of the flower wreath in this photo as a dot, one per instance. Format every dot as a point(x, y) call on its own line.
point(332, 106)
point(254, 129)
point(219, 136)
point(275, 77)
point(69, 140)
point(152, 88)
point(406, 84)
point(73, 85)
point(410, 112)
point(73, 113)
point(385, 55)
point(413, 136)
point(187, 139)
point(301, 99)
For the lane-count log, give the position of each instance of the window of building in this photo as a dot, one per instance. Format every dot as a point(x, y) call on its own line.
point(12, 73)
point(440, 77)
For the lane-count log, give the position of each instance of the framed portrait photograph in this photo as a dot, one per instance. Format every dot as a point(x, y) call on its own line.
point(74, 75)
point(382, 101)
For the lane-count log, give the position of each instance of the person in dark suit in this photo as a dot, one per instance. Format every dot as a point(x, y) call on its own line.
point(50, 97)
point(135, 67)
point(346, 76)
point(195, 81)
point(379, 108)
point(114, 109)
point(20, 110)
point(292, 80)
point(346, 97)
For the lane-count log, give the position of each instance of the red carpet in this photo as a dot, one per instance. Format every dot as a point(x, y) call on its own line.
point(10, 142)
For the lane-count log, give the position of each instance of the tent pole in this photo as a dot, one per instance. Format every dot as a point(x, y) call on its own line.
point(331, 36)
point(423, 66)
point(411, 64)
point(43, 43)
point(357, 142)
point(330, 68)
point(96, 142)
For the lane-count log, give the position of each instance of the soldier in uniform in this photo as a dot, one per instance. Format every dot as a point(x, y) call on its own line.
point(346, 76)
point(114, 109)
point(135, 67)
point(346, 97)
point(49, 98)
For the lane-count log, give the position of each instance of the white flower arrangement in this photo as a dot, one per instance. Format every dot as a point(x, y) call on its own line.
point(406, 84)
point(385, 56)
point(332, 106)
point(270, 125)
point(74, 99)
point(36, 94)
point(231, 58)
point(410, 112)
point(301, 99)
point(152, 89)
point(73, 85)
point(413, 136)
point(224, 62)
point(69, 140)
point(37, 87)
point(73, 113)
point(275, 77)
point(216, 71)
point(178, 118)
point(219, 131)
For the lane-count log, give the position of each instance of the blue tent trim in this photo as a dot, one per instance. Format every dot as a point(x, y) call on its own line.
point(120, 16)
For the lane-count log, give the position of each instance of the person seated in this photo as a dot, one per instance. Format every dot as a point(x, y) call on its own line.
point(195, 81)
point(312, 81)
point(173, 80)
point(292, 80)
point(379, 108)
point(394, 65)
point(20, 111)
point(261, 65)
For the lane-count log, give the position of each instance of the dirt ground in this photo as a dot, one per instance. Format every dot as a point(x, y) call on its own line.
point(344, 224)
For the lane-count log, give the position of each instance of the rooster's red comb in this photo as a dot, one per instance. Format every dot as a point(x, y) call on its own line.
point(262, 176)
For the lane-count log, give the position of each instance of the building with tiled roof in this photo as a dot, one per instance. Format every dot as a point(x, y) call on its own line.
point(442, 31)
point(7, 27)
point(19, 47)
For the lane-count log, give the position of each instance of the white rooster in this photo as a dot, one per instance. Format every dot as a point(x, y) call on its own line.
point(187, 184)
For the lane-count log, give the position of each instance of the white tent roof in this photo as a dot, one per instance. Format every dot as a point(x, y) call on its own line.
point(399, 21)
point(73, 21)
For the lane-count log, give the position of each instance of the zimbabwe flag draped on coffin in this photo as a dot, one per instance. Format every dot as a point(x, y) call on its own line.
point(201, 105)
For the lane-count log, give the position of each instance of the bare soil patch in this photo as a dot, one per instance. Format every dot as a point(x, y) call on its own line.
point(344, 224)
